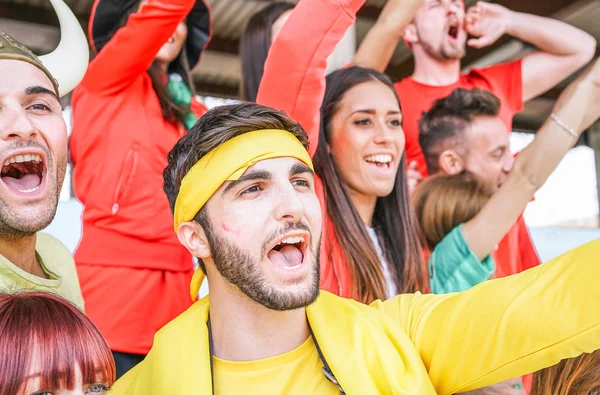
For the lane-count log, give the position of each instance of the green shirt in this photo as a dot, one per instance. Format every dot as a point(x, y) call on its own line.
point(453, 267)
point(56, 261)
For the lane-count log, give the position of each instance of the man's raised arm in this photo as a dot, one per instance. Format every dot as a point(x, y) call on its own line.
point(562, 48)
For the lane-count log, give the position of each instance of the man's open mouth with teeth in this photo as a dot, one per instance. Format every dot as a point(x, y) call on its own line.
point(453, 30)
point(288, 253)
point(382, 161)
point(23, 173)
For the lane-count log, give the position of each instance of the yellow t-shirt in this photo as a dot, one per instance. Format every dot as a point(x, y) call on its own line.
point(297, 372)
point(410, 344)
point(56, 261)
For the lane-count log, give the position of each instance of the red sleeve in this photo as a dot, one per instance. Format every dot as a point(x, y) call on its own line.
point(294, 76)
point(529, 255)
point(506, 82)
point(132, 49)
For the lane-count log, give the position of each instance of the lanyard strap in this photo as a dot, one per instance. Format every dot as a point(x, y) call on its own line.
point(212, 352)
point(326, 369)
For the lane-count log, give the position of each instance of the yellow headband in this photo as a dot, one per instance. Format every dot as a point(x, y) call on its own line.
point(228, 162)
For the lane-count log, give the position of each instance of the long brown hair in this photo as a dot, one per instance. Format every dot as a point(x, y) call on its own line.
point(393, 219)
point(442, 202)
point(254, 47)
point(170, 111)
point(574, 376)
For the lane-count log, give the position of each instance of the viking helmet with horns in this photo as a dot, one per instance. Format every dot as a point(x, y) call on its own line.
point(67, 64)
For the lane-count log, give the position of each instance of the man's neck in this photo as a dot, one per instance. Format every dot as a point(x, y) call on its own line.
point(243, 330)
point(435, 72)
point(20, 250)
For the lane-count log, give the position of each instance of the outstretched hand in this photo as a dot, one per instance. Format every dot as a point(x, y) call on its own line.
point(487, 22)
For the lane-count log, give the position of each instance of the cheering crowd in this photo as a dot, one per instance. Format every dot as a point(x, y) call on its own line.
point(358, 236)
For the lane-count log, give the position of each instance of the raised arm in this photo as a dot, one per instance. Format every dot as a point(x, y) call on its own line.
point(508, 327)
point(577, 108)
point(132, 49)
point(377, 48)
point(294, 76)
point(562, 48)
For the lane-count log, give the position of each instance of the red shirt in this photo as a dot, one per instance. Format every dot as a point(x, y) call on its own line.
point(134, 273)
point(502, 80)
point(515, 251)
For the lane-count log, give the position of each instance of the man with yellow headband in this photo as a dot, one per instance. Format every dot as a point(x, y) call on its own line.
point(240, 184)
point(33, 153)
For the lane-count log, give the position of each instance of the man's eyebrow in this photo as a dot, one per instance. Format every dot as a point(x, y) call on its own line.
point(37, 90)
point(254, 175)
point(300, 168)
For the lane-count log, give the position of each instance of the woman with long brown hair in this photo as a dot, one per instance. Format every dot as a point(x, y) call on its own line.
point(369, 248)
point(136, 100)
point(360, 161)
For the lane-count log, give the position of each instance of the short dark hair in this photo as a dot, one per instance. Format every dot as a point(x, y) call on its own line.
point(213, 129)
point(216, 127)
point(442, 127)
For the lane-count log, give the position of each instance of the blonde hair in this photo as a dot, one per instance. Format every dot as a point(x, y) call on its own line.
point(442, 202)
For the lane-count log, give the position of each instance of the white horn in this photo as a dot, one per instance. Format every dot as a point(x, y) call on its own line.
point(69, 61)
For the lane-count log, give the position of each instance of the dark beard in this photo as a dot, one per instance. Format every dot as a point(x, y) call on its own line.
point(243, 271)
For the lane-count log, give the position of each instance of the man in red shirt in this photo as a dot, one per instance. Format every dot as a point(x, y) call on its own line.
point(465, 131)
point(438, 37)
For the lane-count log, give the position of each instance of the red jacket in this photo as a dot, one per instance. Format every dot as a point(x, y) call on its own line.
point(134, 272)
point(304, 83)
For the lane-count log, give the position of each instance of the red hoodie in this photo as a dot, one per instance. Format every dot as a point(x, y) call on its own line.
point(134, 273)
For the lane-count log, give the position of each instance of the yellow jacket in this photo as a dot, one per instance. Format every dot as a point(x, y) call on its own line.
point(416, 344)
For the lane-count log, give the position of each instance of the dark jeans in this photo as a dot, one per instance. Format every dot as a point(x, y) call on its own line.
point(126, 361)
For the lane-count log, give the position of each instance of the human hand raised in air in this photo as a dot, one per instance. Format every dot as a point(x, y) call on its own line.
point(487, 22)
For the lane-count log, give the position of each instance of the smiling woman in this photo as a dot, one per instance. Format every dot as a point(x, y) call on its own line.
point(360, 160)
point(370, 249)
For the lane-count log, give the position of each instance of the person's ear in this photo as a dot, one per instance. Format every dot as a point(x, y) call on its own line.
point(451, 163)
point(410, 35)
point(192, 236)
